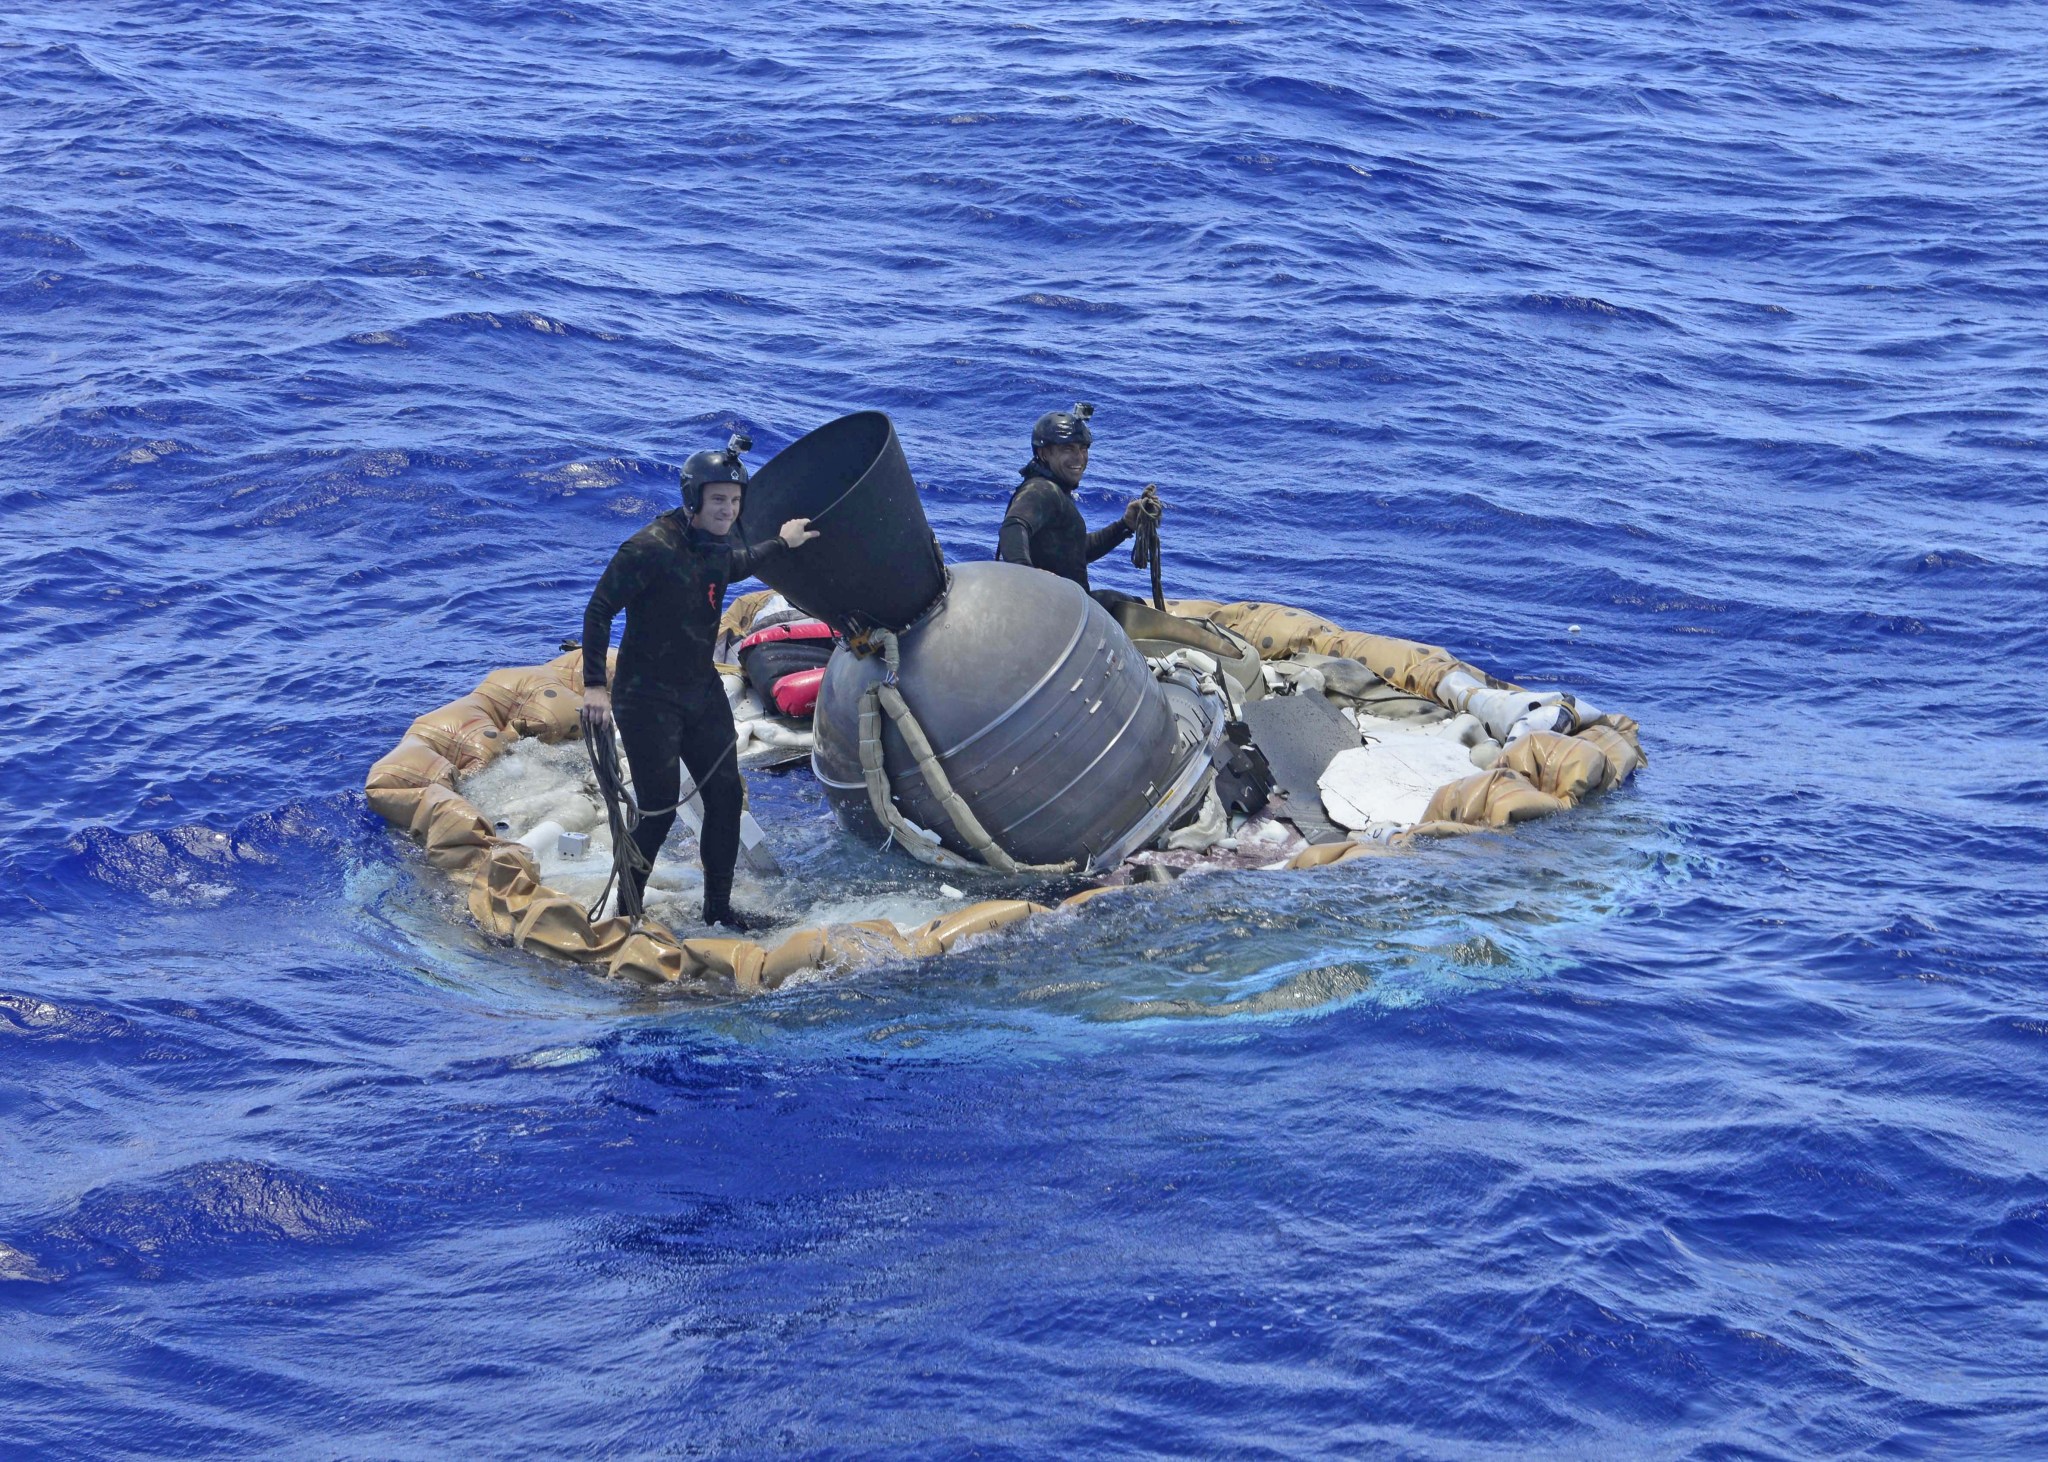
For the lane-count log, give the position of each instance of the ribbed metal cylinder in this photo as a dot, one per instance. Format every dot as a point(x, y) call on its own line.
point(1046, 720)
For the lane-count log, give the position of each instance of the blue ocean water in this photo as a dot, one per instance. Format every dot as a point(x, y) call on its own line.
point(341, 346)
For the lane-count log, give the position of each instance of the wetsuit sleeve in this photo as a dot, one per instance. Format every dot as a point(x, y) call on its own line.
point(1014, 544)
point(620, 585)
point(1025, 517)
point(744, 562)
point(1102, 540)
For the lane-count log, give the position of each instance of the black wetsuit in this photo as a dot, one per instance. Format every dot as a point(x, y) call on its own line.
point(671, 579)
point(1044, 529)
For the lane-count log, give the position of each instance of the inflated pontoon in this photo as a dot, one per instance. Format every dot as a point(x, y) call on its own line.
point(997, 723)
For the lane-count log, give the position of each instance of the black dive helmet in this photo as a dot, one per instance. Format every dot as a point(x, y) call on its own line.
point(1062, 427)
point(722, 464)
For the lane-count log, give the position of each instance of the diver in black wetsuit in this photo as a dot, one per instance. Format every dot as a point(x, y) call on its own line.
point(671, 578)
point(1042, 527)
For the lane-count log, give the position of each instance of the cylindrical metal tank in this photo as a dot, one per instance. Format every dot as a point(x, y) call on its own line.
point(1047, 721)
point(1045, 718)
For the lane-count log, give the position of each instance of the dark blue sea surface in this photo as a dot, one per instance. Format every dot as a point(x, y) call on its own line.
point(339, 346)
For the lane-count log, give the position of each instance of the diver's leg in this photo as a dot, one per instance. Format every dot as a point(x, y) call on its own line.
point(651, 732)
point(707, 742)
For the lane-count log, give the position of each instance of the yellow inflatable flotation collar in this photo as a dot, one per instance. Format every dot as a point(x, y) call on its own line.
point(413, 786)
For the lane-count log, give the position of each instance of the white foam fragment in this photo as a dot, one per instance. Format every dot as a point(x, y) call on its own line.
point(542, 835)
point(1391, 779)
point(576, 813)
point(529, 784)
point(537, 792)
point(789, 734)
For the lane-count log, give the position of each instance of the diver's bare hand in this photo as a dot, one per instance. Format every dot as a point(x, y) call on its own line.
point(597, 707)
point(1138, 509)
point(798, 531)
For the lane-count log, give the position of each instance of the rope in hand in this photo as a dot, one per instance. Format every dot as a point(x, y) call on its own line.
point(1145, 551)
point(622, 816)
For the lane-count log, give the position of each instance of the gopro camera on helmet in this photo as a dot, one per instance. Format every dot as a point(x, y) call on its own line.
point(1059, 428)
point(720, 465)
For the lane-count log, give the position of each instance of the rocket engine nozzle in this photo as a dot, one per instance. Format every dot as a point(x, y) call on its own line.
point(875, 562)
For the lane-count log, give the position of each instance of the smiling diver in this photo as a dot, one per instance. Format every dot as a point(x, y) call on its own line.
point(671, 579)
point(1043, 528)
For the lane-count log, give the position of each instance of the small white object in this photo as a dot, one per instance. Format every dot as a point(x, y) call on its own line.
point(543, 835)
point(1193, 661)
point(1209, 828)
point(1501, 709)
point(773, 733)
point(1571, 629)
point(1553, 717)
point(1311, 679)
point(1290, 677)
point(1456, 686)
point(951, 892)
point(573, 845)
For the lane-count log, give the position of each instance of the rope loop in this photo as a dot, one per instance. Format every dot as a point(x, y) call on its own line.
point(622, 816)
point(1145, 547)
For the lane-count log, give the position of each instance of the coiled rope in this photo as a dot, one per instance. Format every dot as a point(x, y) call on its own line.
point(622, 816)
point(1145, 551)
